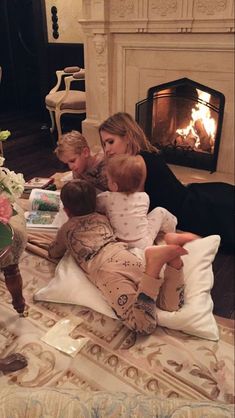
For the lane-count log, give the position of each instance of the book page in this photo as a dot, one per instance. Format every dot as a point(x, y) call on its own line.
point(47, 200)
point(45, 210)
point(45, 219)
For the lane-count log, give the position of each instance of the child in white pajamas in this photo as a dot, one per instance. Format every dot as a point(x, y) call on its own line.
point(127, 207)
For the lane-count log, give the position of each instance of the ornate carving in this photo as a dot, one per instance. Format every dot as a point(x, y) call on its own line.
point(122, 8)
point(86, 9)
point(101, 62)
point(210, 7)
point(162, 7)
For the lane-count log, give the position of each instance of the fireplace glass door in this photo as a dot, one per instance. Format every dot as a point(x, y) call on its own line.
point(183, 119)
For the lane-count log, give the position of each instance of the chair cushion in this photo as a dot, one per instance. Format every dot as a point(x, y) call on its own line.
point(71, 69)
point(75, 100)
point(79, 74)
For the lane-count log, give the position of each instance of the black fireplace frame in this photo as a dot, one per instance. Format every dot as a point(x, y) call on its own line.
point(175, 155)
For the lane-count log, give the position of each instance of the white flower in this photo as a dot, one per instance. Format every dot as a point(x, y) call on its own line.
point(4, 135)
point(11, 184)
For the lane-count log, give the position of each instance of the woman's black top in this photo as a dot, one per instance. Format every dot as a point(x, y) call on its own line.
point(202, 208)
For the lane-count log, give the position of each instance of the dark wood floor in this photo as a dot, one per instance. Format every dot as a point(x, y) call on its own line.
point(29, 150)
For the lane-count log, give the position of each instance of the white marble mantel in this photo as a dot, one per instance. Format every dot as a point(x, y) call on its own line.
point(131, 45)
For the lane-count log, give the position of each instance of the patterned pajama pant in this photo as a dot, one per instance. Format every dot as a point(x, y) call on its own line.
point(159, 220)
point(132, 294)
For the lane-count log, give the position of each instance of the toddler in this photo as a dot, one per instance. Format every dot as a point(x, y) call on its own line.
point(73, 149)
point(127, 206)
point(130, 289)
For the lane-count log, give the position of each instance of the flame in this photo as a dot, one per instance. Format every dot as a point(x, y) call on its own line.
point(201, 112)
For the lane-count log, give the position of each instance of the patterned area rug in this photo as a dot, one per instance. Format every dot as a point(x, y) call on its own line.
point(167, 364)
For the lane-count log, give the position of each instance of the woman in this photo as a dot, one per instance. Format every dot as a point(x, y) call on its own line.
point(202, 208)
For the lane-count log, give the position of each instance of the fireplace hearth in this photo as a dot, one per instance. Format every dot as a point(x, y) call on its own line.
point(184, 119)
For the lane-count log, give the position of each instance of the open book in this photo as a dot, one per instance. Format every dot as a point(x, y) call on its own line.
point(45, 210)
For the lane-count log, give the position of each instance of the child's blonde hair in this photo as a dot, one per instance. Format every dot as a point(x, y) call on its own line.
point(71, 141)
point(127, 171)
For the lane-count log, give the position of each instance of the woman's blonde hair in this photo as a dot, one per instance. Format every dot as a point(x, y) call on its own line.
point(123, 125)
point(127, 171)
point(71, 141)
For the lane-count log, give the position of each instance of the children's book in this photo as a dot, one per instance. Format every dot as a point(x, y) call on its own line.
point(45, 210)
point(38, 182)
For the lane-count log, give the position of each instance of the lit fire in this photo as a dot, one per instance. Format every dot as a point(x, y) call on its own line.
point(200, 133)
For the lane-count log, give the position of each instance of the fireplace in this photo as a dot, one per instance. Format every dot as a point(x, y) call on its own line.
point(183, 119)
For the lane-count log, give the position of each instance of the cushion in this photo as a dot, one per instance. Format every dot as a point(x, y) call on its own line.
point(75, 99)
point(71, 69)
point(53, 401)
point(194, 318)
point(62, 288)
point(79, 74)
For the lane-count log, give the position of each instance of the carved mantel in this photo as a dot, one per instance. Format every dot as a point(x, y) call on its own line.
point(131, 45)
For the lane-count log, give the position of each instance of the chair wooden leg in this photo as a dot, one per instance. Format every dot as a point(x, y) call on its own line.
point(52, 121)
point(13, 282)
point(58, 125)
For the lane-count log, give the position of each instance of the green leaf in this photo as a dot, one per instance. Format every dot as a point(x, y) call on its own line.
point(6, 236)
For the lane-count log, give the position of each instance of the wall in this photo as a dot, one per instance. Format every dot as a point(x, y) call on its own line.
point(68, 12)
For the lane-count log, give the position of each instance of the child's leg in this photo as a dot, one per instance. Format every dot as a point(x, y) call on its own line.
point(171, 295)
point(161, 219)
point(130, 292)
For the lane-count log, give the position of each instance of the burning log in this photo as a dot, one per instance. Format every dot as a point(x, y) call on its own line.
point(205, 139)
point(188, 140)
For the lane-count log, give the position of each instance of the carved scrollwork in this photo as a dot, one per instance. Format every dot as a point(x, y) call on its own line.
point(101, 61)
point(210, 7)
point(122, 8)
point(162, 7)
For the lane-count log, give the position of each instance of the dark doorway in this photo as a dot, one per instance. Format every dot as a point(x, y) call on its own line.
point(23, 55)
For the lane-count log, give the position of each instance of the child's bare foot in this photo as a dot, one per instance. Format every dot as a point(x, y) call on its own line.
point(157, 256)
point(179, 238)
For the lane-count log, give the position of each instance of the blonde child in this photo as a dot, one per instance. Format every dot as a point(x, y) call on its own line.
point(130, 289)
point(73, 149)
point(127, 206)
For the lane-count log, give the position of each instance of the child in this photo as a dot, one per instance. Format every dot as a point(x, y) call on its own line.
point(127, 207)
point(73, 149)
point(131, 290)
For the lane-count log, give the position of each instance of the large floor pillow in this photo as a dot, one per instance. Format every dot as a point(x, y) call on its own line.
point(70, 285)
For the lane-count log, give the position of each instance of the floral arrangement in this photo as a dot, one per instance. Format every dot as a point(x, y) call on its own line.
point(6, 210)
point(4, 135)
point(11, 188)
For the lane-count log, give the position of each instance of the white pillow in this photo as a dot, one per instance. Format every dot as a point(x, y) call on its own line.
point(194, 318)
point(71, 285)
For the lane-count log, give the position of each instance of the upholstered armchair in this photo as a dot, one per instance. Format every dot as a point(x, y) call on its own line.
point(9, 263)
point(66, 100)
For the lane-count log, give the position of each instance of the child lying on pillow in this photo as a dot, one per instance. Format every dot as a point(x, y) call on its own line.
point(126, 205)
point(131, 291)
